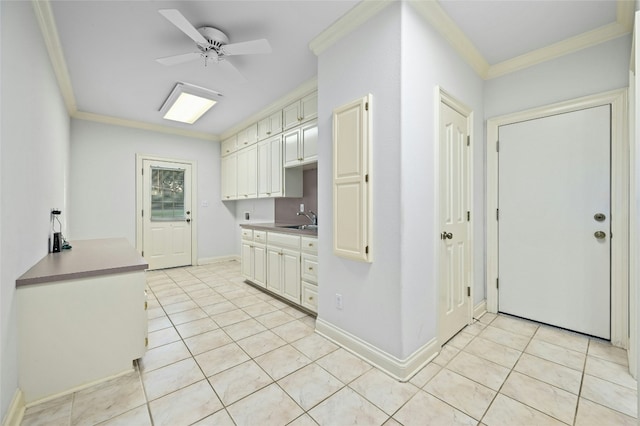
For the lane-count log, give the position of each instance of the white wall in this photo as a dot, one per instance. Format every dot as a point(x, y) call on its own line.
point(391, 303)
point(429, 61)
point(597, 69)
point(365, 61)
point(34, 164)
point(103, 184)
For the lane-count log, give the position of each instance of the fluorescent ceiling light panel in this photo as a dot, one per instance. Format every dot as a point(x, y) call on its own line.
point(187, 103)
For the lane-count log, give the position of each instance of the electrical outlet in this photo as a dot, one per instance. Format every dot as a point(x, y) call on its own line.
point(301, 208)
point(246, 215)
point(338, 301)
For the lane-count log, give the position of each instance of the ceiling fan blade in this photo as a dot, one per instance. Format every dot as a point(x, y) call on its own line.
point(247, 47)
point(178, 59)
point(177, 19)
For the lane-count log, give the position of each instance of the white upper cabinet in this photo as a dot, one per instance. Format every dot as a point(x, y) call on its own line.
point(228, 146)
point(247, 172)
point(270, 126)
point(300, 111)
point(248, 136)
point(351, 180)
point(273, 180)
point(301, 145)
point(229, 177)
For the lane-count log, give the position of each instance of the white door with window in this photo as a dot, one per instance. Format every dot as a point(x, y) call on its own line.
point(455, 251)
point(554, 227)
point(166, 214)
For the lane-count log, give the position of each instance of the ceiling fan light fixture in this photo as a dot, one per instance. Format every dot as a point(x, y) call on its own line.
point(187, 103)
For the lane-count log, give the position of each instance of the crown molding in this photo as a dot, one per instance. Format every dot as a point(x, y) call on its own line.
point(299, 92)
point(47, 24)
point(359, 14)
point(105, 119)
point(435, 15)
point(565, 47)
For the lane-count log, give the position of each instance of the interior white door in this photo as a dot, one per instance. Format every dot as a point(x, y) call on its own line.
point(166, 214)
point(455, 268)
point(554, 220)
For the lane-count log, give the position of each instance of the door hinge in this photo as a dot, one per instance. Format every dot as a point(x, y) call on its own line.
point(497, 283)
point(497, 214)
point(366, 178)
point(142, 213)
point(366, 106)
point(468, 291)
point(142, 171)
point(468, 216)
point(468, 140)
point(146, 342)
point(366, 250)
point(142, 253)
point(497, 146)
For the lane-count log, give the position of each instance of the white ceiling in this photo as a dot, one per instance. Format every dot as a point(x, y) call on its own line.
point(110, 47)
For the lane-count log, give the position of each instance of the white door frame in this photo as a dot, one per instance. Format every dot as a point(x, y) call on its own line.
point(194, 201)
point(619, 200)
point(441, 96)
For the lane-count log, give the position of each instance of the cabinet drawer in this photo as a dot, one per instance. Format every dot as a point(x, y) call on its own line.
point(260, 236)
point(247, 234)
point(309, 267)
point(284, 240)
point(309, 296)
point(310, 245)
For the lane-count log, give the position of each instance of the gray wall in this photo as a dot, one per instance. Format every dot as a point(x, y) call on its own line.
point(34, 165)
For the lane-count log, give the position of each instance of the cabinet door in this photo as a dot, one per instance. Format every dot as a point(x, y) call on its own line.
point(247, 172)
point(275, 123)
point(274, 270)
point(247, 267)
point(259, 265)
point(264, 128)
point(291, 154)
point(291, 115)
point(228, 146)
point(229, 177)
point(275, 167)
point(309, 107)
point(264, 169)
point(291, 275)
point(309, 143)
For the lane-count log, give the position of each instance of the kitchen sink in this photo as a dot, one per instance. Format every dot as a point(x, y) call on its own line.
point(309, 227)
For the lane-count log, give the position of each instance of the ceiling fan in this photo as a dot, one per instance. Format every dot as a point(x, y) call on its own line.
point(213, 45)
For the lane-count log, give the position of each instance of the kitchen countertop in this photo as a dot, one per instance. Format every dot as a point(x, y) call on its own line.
point(279, 227)
point(86, 258)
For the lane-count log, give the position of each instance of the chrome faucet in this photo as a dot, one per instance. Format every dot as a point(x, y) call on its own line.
point(311, 216)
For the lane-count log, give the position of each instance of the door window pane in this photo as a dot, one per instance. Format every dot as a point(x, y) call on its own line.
point(167, 194)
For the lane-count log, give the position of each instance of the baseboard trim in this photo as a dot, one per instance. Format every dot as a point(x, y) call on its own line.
point(219, 259)
point(480, 309)
point(400, 369)
point(15, 413)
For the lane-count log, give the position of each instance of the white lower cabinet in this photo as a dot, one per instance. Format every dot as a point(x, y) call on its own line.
point(254, 257)
point(281, 265)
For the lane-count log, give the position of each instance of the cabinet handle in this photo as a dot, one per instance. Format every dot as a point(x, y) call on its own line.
point(310, 268)
point(268, 133)
point(146, 305)
point(310, 298)
point(310, 244)
point(146, 342)
point(245, 143)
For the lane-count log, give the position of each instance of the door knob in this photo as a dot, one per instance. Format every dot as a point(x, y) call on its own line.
point(600, 235)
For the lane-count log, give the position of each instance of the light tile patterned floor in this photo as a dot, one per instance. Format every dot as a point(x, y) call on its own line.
point(222, 353)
